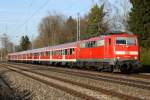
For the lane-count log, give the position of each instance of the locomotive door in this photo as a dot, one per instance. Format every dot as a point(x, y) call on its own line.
point(106, 47)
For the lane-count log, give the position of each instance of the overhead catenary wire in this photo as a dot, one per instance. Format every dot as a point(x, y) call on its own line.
point(28, 10)
point(32, 15)
point(30, 5)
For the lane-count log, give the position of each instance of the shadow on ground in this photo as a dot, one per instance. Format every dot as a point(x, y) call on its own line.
point(145, 69)
point(9, 93)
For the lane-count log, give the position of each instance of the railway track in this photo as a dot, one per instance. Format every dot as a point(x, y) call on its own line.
point(36, 75)
point(137, 75)
point(143, 76)
point(4, 87)
point(99, 77)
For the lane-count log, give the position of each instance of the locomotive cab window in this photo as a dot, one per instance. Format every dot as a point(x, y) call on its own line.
point(131, 41)
point(126, 40)
point(121, 40)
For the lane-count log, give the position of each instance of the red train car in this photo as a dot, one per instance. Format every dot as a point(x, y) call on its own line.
point(113, 51)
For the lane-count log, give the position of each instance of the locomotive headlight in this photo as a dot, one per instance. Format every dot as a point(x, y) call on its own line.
point(120, 52)
point(118, 57)
point(135, 57)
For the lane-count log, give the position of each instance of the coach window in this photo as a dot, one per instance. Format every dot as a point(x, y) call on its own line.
point(49, 53)
point(93, 43)
point(41, 54)
point(100, 42)
point(87, 44)
point(38, 53)
point(61, 52)
point(54, 53)
point(65, 51)
point(45, 53)
point(57, 52)
point(82, 45)
point(70, 51)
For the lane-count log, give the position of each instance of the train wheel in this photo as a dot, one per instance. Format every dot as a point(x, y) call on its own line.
point(99, 69)
point(111, 69)
point(126, 68)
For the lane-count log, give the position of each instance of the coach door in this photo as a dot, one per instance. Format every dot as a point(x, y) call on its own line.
point(51, 53)
point(64, 52)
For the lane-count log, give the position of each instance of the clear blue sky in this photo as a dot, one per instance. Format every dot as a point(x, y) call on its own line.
point(14, 14)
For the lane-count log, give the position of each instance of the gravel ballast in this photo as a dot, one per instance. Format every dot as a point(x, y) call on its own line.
point(39, 90)
point(124, 89)
point(50, 93)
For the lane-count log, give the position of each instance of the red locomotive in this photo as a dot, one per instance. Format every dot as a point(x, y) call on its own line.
point(113, 51)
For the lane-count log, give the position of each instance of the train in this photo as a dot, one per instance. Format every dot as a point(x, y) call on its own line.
point(113, 51)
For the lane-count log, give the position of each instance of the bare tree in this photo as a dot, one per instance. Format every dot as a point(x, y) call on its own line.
point(50, 30)
point(5, 42)
point(117, 16)
point(70, 29)
point(7, 45)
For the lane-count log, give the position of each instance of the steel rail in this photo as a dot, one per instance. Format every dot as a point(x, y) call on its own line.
point(104, 91)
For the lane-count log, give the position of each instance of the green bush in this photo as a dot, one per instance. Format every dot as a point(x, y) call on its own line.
point(145, 56)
